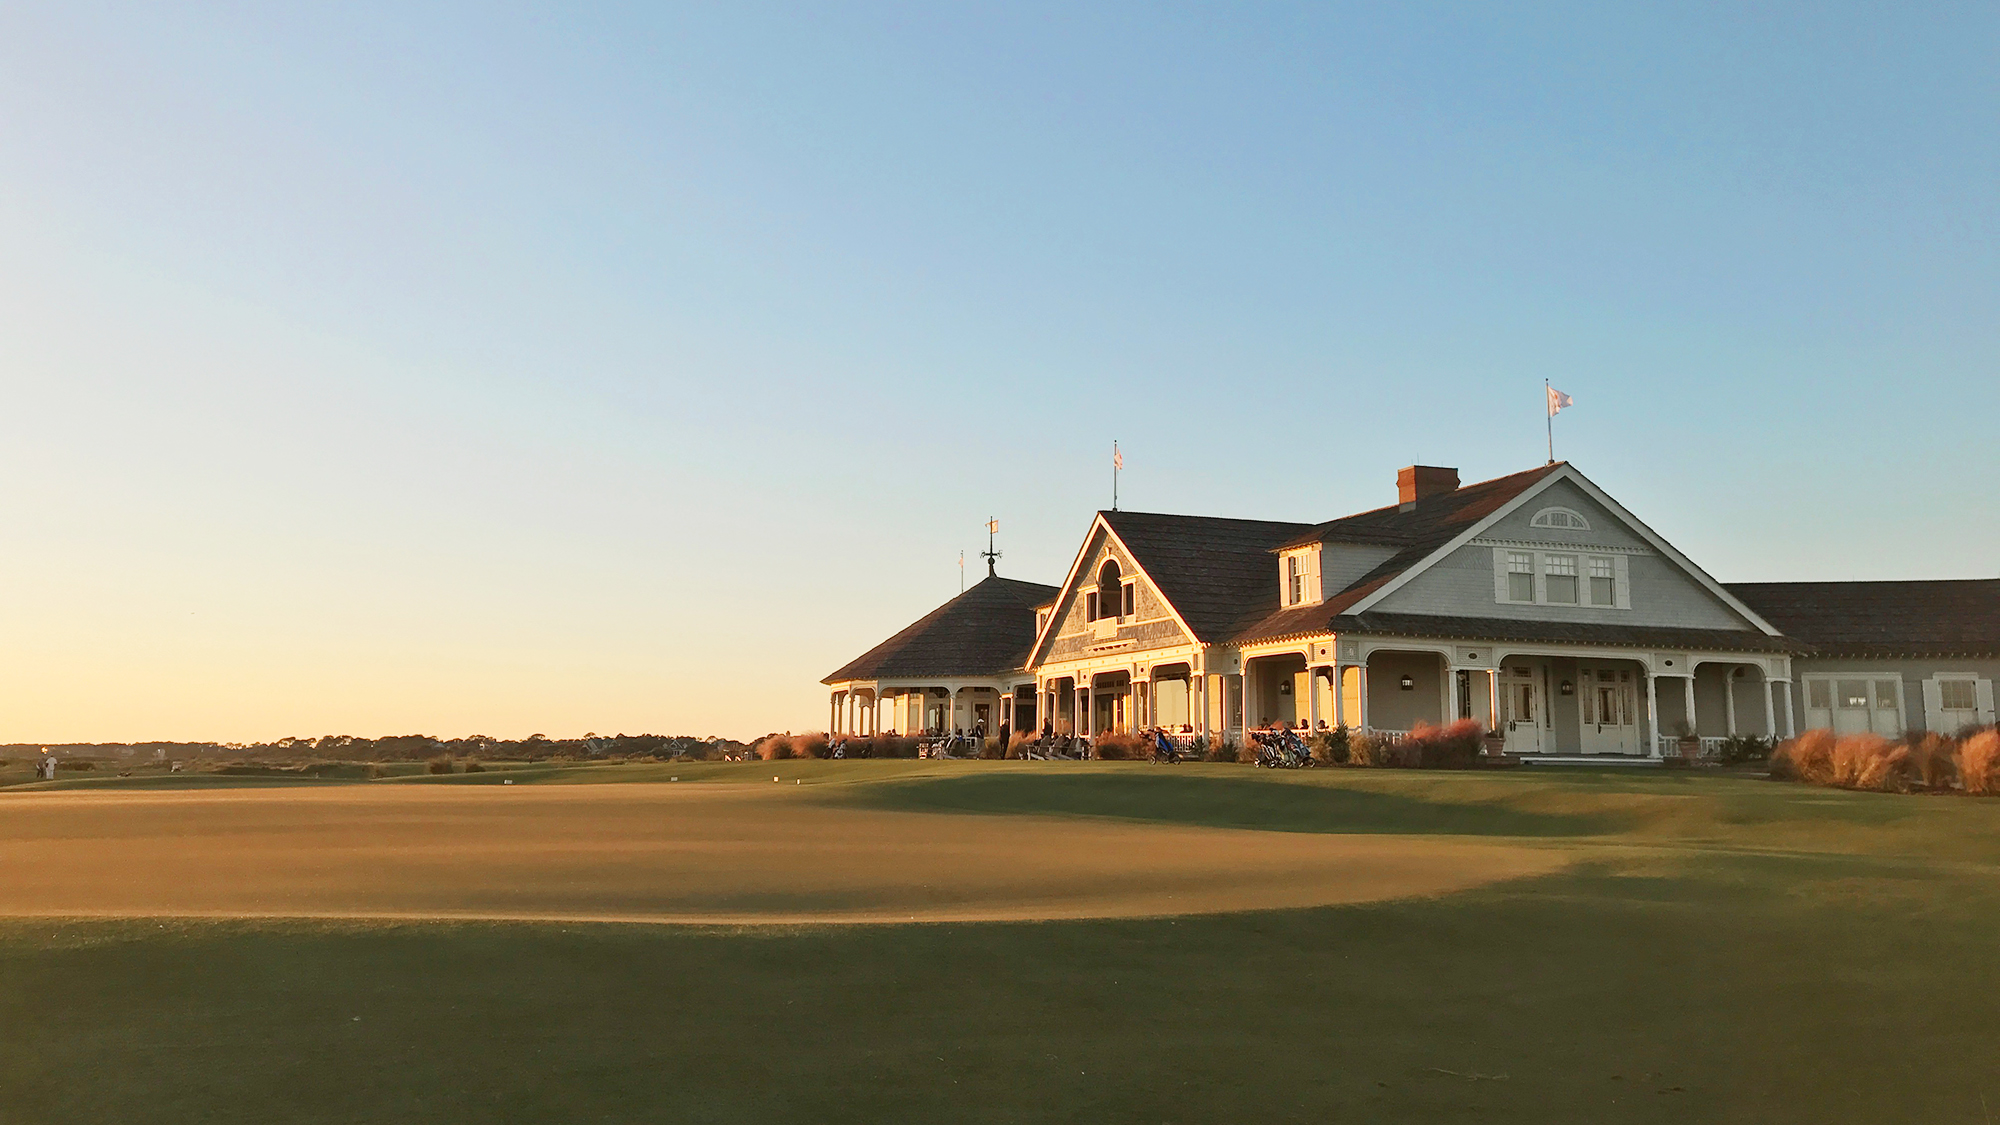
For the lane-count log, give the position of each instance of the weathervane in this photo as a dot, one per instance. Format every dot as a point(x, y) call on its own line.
point(989, 554)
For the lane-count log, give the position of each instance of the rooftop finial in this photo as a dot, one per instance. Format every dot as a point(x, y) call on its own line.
point(989, 554)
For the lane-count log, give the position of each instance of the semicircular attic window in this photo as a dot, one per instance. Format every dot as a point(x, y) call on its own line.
point(1563, 518)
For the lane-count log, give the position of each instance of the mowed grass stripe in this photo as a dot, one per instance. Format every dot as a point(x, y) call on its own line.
point(699, 854)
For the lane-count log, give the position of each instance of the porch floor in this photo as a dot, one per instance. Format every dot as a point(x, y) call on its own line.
point(1588, 760)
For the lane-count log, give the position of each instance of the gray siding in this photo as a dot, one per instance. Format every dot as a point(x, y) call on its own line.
point(1461, 584)
point(1341, 563)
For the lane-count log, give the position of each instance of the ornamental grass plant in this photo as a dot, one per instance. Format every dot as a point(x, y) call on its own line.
point(1978, 760)
point(1807, 758)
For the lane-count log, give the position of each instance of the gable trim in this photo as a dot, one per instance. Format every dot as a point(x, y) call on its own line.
point(1038, 655)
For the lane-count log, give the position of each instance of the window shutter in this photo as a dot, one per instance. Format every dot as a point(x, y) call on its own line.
point(1499, 574)
point(1313, 592)
point(1985, 690)
point(1621, 567)
point(1933, 706)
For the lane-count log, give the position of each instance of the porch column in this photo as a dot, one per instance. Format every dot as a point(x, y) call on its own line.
point(1652, 715)
point(1249, 713)
point(1493, 698)
point(1694, 727)
point(1729, 701)
point(1791, 730)
point(1361, 691)
point(1312, 695)
point(1201, 696)
point(875, 714)
point(1450, 694)
point(832, 712)
point(1339, 707)
point(1770, 709)
point(951, 716)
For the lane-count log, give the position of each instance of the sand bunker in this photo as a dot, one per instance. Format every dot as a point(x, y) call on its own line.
point(708, 854)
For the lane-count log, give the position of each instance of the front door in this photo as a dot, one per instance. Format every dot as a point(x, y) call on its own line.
point(1520, 710)
point(1610, 711)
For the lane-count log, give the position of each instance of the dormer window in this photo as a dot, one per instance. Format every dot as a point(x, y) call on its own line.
point(1298, 576)
point(1563, 519)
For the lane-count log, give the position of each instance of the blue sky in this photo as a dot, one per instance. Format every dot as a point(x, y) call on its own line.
point(500, 369)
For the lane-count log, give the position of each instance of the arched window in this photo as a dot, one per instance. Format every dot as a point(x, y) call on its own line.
point(1110, 589)
point(1566, 518)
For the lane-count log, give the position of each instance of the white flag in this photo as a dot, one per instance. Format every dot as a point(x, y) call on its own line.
point(1557, 400)
point(1117, 458)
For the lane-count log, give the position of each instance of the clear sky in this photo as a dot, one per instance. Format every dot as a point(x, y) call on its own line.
point(499, 368)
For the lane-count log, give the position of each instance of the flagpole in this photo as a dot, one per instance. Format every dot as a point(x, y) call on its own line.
point(1114, 474)
point(1546, 399)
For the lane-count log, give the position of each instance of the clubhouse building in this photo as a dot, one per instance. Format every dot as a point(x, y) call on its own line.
point(1533, 603)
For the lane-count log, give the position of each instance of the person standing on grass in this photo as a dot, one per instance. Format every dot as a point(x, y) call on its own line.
point(46, 768)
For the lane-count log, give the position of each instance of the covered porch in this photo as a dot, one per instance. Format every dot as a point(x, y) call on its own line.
point(917, 708)
point(1545, 701)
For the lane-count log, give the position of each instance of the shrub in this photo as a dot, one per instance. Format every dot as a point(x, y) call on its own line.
point(1455, 746)
point(1367, 751)
point(1017, 746)
point(1113, 747)
point(991, 750)
point(882, 746)
point(72, 765)
point(441, 764)
point(1931, 760)
point(1807, 758)
point(1740, 748)
point(1979, 762)
point(472, 766)
point(1329, 747)
point(1223, 750)
point(775, 747)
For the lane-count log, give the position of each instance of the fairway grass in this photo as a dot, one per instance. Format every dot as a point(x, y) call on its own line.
point(1715, 950)
point(707, 854)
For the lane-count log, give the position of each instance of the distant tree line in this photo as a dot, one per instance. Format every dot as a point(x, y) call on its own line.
point(399, 747)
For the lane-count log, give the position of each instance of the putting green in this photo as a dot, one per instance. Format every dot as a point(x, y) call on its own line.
point(708, 854)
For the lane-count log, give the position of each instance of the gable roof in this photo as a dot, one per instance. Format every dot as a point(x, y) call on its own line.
point(986, 631)
point(1216, 573)
point(1419, 531)
point(1955, 617)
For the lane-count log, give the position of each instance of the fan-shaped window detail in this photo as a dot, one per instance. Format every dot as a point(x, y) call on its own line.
point(1563, 518)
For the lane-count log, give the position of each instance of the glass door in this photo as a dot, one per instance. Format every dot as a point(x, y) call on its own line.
point(1520, 710)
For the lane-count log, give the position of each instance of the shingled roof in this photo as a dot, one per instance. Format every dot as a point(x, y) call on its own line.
point(1418, 531)
point(1954, 617)
point(986, 631)
point(1217, 573)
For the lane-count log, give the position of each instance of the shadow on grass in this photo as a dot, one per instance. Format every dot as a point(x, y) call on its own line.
point(1218, 802)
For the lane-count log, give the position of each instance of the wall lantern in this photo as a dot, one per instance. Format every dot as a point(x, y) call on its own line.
point(1409, 683)
point(1284, 687)
point(1568, 688)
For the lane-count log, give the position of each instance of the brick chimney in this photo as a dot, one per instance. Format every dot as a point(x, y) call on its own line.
point(1418, 481)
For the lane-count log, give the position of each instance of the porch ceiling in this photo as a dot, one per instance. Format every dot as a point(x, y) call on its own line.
point(1492, 629)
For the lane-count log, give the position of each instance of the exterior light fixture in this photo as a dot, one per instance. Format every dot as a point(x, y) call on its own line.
point(1409, 683)
point(1568, 688)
